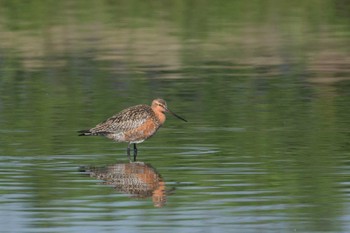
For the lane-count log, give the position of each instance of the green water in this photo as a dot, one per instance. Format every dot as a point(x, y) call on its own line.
point(264, 85)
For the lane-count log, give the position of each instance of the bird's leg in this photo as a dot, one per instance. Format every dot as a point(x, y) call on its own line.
point(135, 152)
point(128, 152)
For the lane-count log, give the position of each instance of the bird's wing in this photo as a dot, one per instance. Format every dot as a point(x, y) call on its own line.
point(127, 119)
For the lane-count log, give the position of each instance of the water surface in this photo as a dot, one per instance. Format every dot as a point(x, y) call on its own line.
point(264, 86)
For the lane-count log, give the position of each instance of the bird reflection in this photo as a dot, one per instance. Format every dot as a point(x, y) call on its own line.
point(137, 178)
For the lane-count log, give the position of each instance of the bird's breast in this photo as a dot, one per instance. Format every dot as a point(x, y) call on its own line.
point(141, 133)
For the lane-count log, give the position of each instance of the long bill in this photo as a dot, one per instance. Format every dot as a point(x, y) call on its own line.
point(176, 115)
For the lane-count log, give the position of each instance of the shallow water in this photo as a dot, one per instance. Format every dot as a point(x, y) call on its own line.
point(264, 87)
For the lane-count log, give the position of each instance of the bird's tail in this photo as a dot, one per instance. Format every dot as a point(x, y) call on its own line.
point(87, 132)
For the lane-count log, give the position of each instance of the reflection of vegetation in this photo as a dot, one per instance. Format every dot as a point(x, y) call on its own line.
point(264, 85)
point(191, 14)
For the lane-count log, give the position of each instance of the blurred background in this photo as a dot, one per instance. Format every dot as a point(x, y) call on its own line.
point(265, 86)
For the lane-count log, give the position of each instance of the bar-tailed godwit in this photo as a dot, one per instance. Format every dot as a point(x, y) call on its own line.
point(133, 125)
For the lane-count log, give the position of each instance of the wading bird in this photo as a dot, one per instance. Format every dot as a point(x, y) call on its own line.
point(133, 125)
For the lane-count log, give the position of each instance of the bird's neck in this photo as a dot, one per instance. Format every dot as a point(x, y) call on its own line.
point(160, 116)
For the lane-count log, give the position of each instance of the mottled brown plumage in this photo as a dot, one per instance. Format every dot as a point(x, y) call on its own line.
point(132, 125)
